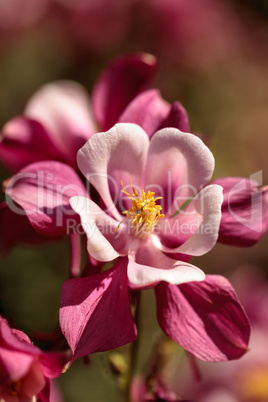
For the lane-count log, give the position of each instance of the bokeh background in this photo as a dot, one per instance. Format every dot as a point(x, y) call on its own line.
point(213, 57)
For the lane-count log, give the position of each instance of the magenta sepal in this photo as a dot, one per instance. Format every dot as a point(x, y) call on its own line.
point(25, 141)
point(42, 191)
point(45, 394)
point(244, 211)
point(95, 312)
point(205, 318)
point(152, 113)
point(119, 84)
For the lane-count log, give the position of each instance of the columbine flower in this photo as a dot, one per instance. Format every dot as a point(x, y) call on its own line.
point(178, 165)
point(25, 369)
point(154, 245)
point(125, 153)
point(59, 119)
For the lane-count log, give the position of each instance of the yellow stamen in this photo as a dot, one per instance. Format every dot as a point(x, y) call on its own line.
point(143, 213)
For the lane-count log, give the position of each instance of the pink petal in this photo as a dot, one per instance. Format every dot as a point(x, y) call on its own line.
point(152, 113)
point(47, 393)
point(24, 141)
point(178, 166)
point(148, 110)
point(63, 108)
point(13, 364)
point(198, 223)
point(112, 156)
point(94, 221)
point(177, 118)
point(34, 381)
point(16, 340)
point(119, 84)
point(244, 211)
point(206, 318)
point(151, 266)
point(16, 353)
point(95, 313)
point(52, 363)
point(43, 190)
point(17, 230)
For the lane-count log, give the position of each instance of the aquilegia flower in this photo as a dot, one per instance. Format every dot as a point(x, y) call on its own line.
point(58, 121)
point(59, 118)
point(177, 165)
point(154, 243)
point(25, 371)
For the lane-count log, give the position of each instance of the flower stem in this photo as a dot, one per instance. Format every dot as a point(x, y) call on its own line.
point(134, 347)
point(135, 344)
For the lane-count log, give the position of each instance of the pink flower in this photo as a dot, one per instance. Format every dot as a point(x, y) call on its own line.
point(25, 370)
point(245, 203)
point(124, 153)
point(64, 124)
point(59, 119)
point(62, 109)
point(204, 317)
point(154, 250)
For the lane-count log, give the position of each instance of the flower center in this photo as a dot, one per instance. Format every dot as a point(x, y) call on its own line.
point(143, 213)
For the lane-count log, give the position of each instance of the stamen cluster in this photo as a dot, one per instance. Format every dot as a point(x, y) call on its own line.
point(144, 213)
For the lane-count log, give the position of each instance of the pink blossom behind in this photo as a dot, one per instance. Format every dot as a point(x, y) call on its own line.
point(25, 369)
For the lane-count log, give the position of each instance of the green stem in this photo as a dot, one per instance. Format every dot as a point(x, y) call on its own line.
point(135, 344)
point(134, 348)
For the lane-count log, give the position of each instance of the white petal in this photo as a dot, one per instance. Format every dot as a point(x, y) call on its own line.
point(91, 215)
point(112, 156)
